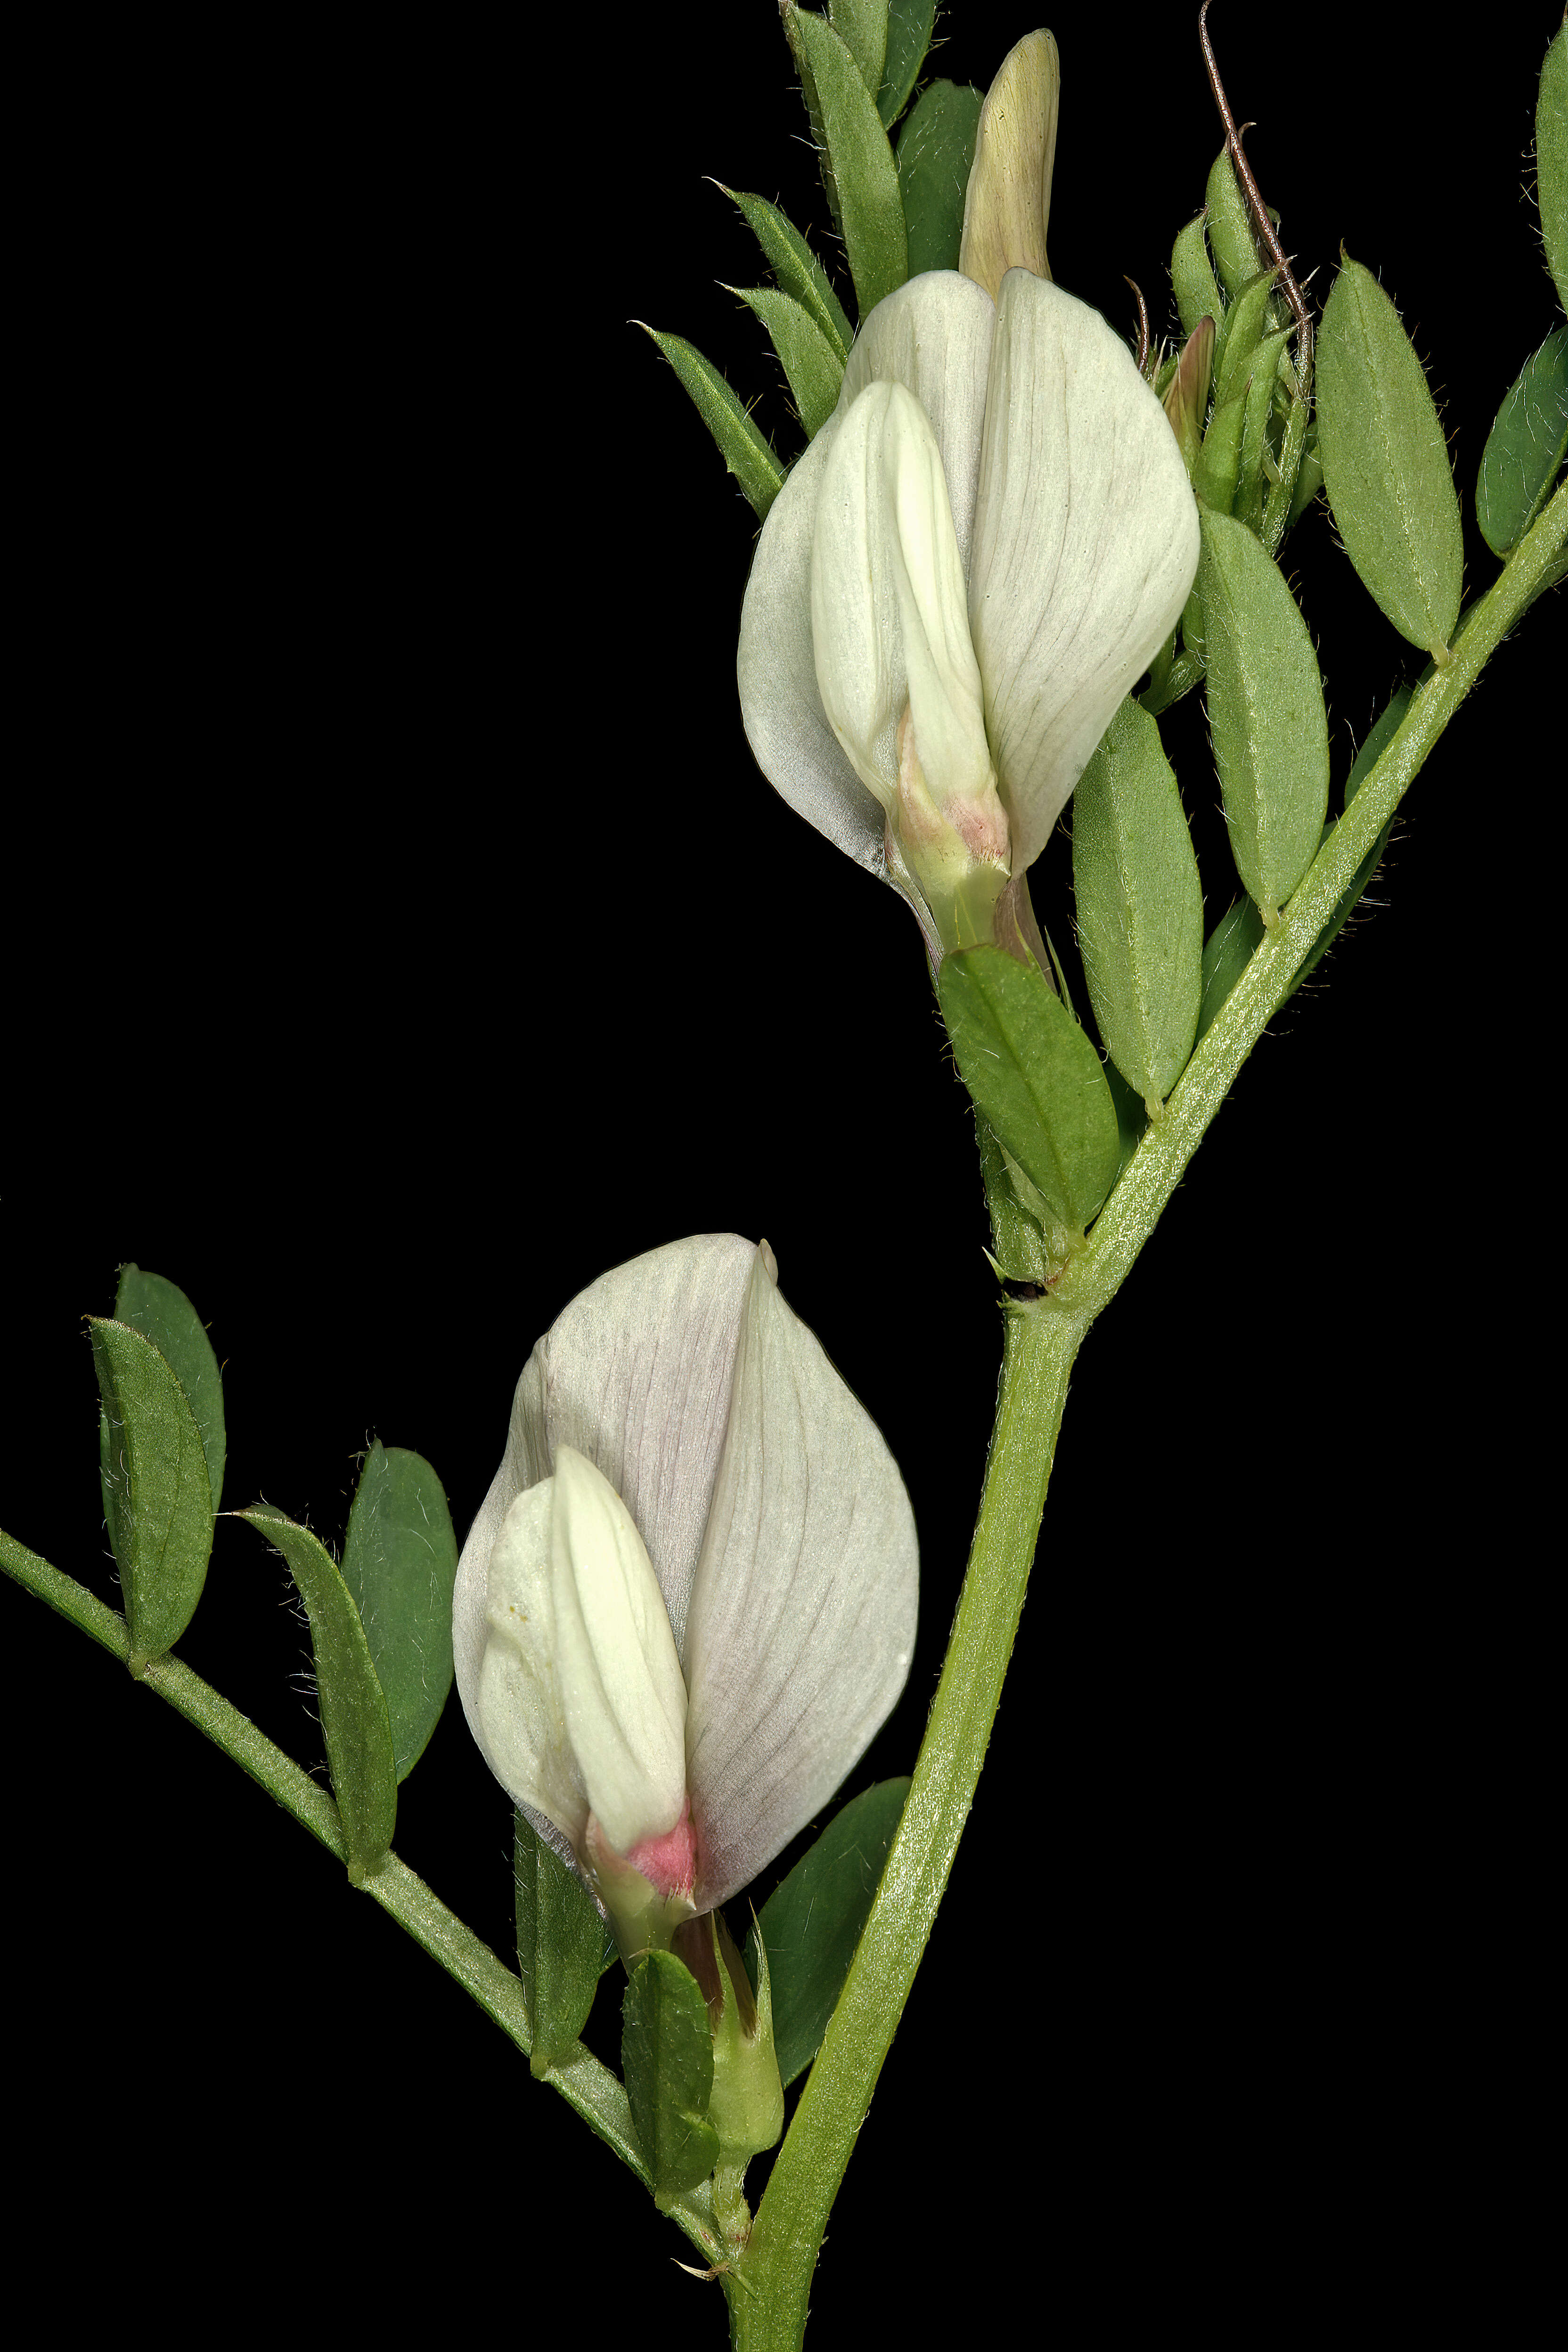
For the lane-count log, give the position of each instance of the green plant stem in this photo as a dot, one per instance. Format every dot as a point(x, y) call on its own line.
point(1042, 1341)
point(595, 2093)
point(778, 2262)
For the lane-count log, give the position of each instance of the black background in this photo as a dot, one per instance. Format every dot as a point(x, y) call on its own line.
point(398, 933)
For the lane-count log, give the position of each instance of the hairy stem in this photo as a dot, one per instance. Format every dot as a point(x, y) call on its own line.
point(1041, 1343)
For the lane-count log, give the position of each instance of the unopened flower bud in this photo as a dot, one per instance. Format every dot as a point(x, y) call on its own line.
point(1187, 393)
point(1008, 201)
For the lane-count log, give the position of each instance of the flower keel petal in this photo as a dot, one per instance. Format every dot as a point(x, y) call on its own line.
point(518, 1714)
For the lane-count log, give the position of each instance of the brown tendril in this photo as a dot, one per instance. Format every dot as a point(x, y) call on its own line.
point(1142, 322)
point(1262, 224)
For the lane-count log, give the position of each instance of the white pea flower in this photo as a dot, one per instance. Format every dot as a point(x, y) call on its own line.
point(978, 555)
point(689, 1599)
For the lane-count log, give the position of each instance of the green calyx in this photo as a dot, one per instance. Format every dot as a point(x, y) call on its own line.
point(746, 2109)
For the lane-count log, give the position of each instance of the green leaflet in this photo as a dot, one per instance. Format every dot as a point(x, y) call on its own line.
point(1015, 1229)
point(797, 268)
point(1218, 468)
point(400, 1563)
point(1245, 323)
point(156, 1484)
point(740, 446)
point(1247, 359)
point(1192, 616)
point(936, 148)
point(1131, 1118)
point(910, 26)
point(1228, 949)
point(1266, 712)
point(1238, 934)
point(1197, 296)
point(1382, 733)
point(667, 2057)
point(1034, 1076)
point(1230, 230)
point(559, 1945)
point(1258, 399)
point(1551, 160)
point(1309, 480)
point(1139, 905)
point(1297, 476)
point(1386, 462)
point(862, 26)
point(1156, 694)
point(354, 1711)
point(814, 369)
point(1525, 448)
point(160, 1310)
point(857, 167)
point(812, 1922)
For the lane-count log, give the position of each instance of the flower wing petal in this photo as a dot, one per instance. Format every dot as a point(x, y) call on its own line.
point(803, 1611)
point(776, 669)
point(1085, 543)
point(519, 1714)
point(933, 336)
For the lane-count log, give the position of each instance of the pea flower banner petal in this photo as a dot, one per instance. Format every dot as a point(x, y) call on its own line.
point(689, 1599)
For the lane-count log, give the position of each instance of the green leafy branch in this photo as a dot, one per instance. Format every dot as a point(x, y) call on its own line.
point(382, 1650)
point(899, 211)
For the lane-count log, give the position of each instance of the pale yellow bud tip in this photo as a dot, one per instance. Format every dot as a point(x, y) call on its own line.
point(1008, 202)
